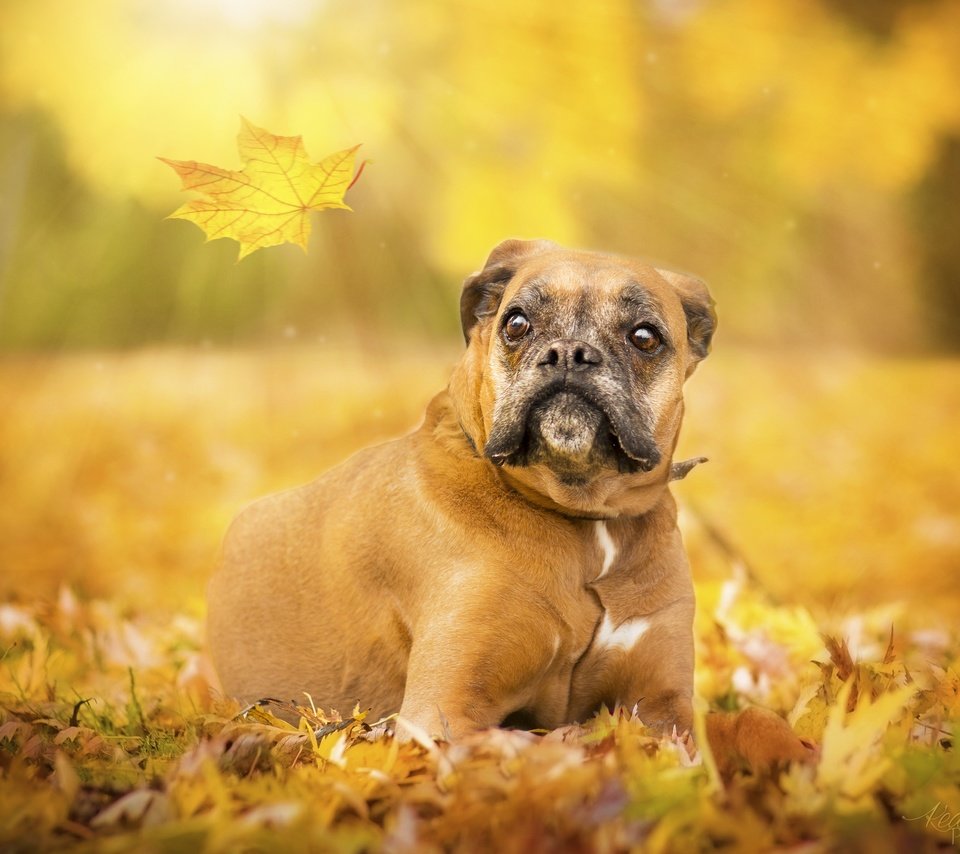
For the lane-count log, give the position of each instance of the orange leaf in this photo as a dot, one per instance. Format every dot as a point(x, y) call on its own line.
point(268, 201)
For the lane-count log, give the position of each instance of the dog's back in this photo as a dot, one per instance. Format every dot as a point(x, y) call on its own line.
point(295, 580)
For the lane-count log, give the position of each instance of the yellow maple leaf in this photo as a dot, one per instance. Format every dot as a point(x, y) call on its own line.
point(269, 200)
point(852, 760)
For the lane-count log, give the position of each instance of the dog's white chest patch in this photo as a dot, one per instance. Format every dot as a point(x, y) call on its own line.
point(624, 636)
point(607, 547)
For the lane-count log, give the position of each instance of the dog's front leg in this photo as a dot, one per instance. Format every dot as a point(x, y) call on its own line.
point(467, 672)
point(643, 662)
point(659, 673)
point(438, 713)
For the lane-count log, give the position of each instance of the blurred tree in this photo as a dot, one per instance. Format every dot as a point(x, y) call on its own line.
point(880, 18)
point(80, 269)
point(937, 208)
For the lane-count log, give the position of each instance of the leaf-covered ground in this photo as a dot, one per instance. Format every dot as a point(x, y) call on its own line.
point(825, 593)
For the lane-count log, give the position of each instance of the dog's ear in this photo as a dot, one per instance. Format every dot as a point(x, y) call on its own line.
point(698, 306)
point(483, 290)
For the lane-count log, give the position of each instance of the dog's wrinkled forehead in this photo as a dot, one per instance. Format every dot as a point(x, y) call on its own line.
point(586, 289)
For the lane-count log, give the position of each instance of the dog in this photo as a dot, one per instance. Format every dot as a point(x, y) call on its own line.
point(516, 559)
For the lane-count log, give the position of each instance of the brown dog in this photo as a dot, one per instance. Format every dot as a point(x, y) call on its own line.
point(515, 558)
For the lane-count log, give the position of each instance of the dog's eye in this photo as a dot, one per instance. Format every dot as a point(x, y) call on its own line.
point(516, 326)
point(646, 339)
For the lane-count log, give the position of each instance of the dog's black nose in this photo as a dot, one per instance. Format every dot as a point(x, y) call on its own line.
point(571, 355)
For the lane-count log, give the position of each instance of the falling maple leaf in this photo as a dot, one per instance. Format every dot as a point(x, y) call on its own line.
point(270, 199)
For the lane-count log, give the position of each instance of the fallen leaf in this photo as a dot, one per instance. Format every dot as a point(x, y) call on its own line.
point(851, 760)
point(141, 806)
point(755, 739)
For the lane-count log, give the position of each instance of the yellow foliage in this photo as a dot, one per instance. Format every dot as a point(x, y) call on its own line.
point(837, 105)
point(169, 445)
point(137, 764)
point(851, 760)
point(507, 118)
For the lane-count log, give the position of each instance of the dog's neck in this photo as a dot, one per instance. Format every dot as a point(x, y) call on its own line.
point(609, 496)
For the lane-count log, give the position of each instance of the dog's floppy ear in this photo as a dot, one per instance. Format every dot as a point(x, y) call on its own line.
point(698, 307)
point(483, 290)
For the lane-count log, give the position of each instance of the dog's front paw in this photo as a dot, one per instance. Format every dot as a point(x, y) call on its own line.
point(668, 713)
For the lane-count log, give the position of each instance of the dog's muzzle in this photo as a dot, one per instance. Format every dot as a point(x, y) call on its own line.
point(569, 408)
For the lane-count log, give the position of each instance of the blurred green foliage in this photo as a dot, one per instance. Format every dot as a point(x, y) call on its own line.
point(84, 269)
point(800, 156)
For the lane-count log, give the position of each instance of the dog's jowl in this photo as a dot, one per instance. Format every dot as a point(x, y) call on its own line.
point(518, 555)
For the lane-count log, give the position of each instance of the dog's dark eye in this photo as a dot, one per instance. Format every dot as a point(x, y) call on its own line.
point(516, 326)
point(646, 339)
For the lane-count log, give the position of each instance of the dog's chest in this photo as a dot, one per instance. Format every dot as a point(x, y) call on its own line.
point(590, 633)
point(617, 628)
point(592, 621)
point(610, 565)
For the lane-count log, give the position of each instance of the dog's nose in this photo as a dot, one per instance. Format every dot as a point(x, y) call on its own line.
point(571, 355)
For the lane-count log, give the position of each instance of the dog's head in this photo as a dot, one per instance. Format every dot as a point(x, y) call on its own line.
point(572, 380)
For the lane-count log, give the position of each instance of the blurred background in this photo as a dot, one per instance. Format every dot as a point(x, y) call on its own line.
point(802, 156)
